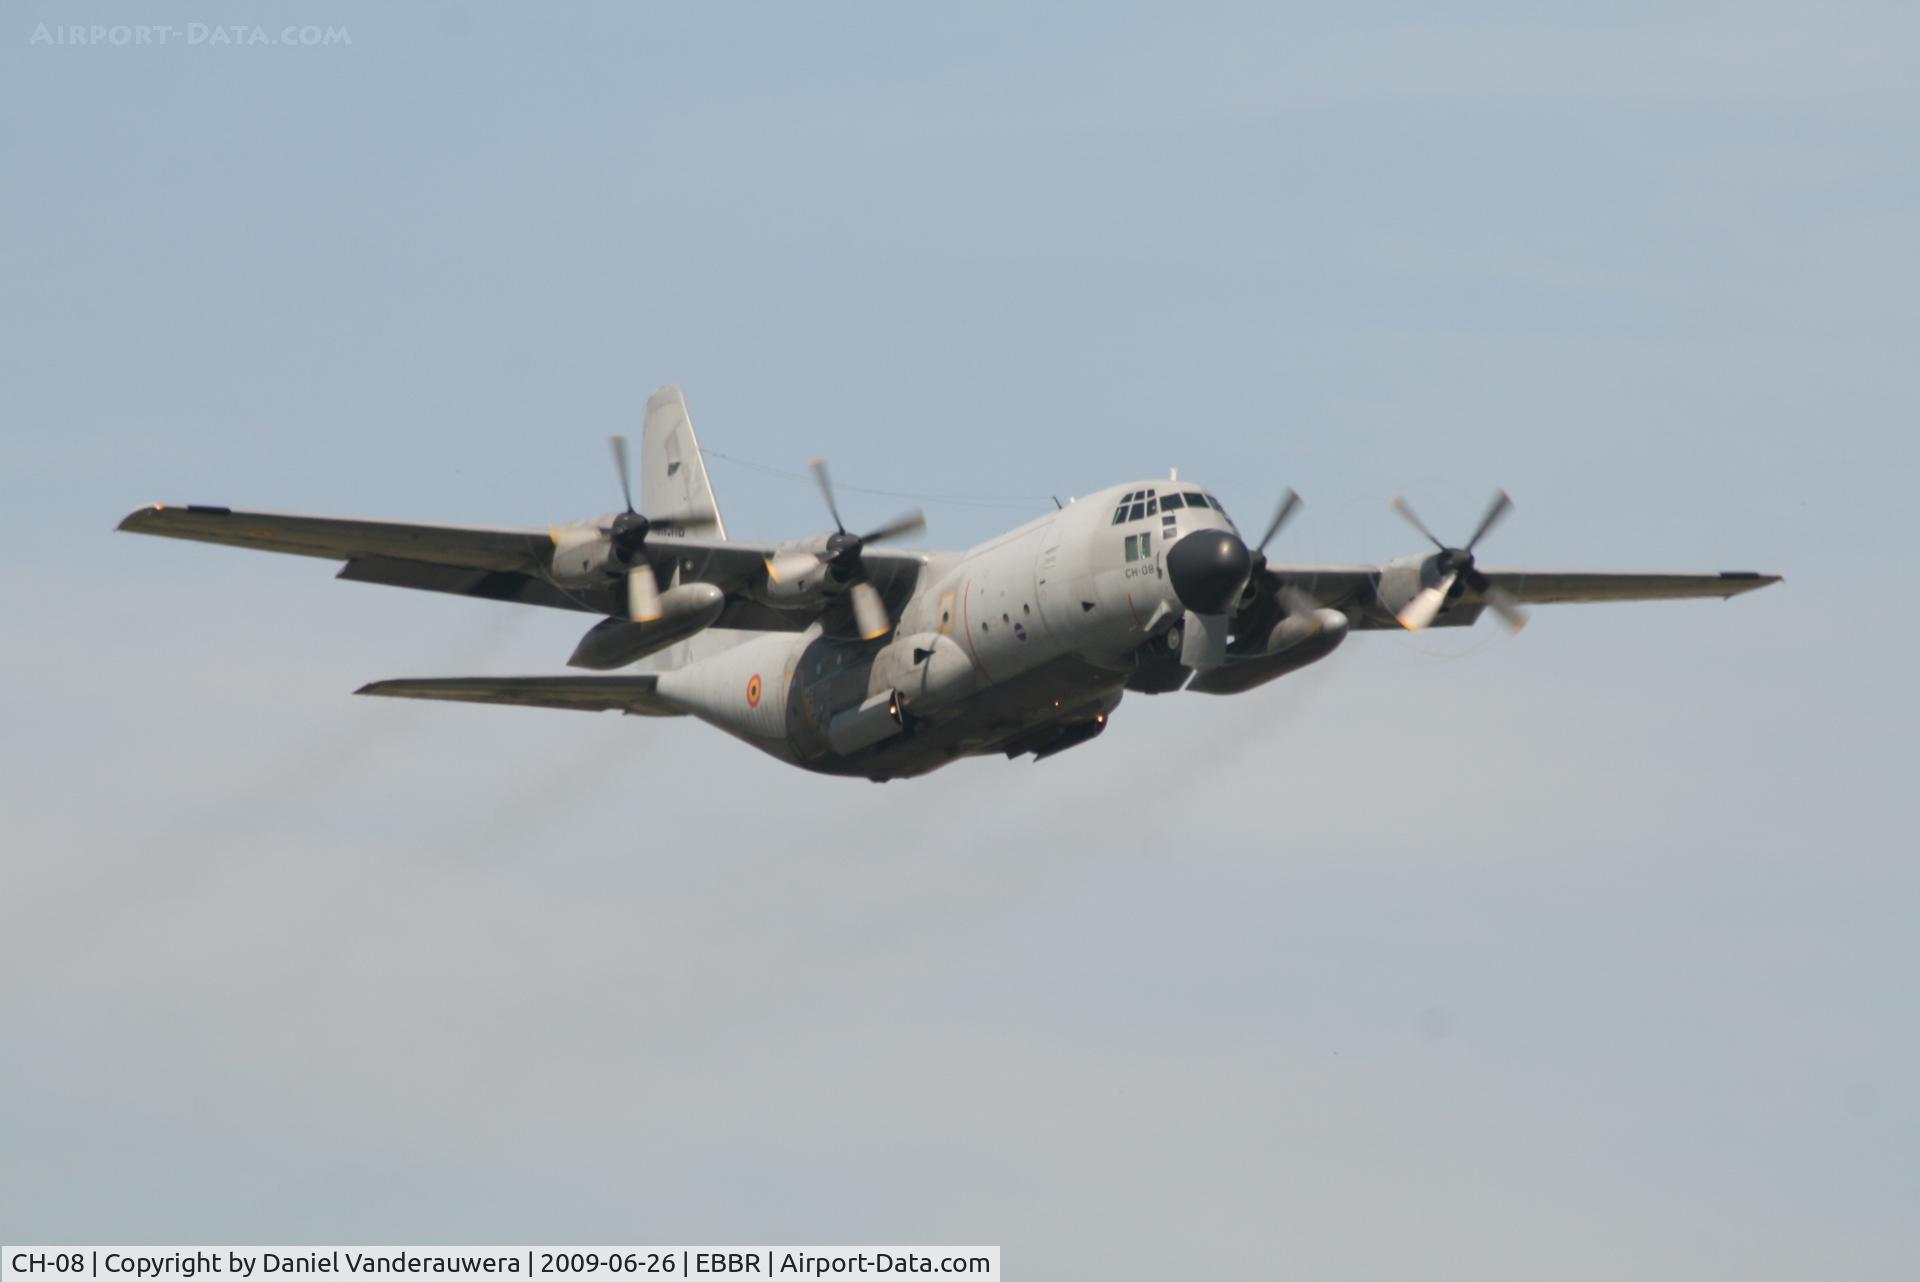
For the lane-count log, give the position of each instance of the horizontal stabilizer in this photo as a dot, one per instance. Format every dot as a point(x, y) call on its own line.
point(635, 695)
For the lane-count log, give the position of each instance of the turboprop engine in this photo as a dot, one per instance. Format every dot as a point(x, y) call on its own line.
point(586, 553)
point(831, 566)
point(611, 547)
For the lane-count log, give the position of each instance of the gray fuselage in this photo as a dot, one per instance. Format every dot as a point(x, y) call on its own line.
point(1024, 643)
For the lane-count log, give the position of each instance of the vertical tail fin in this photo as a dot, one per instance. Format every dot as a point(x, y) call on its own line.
point(674, 490)
point(677, 497)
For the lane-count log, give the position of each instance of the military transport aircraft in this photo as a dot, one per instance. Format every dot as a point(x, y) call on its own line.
point(847, 658)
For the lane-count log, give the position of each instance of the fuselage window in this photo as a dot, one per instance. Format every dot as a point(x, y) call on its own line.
point(1133, 547)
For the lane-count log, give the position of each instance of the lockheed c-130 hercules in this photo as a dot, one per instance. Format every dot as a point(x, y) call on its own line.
point(846, 658)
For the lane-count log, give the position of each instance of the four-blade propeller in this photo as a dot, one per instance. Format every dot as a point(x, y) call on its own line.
point(1456, 564)
point(842, 559)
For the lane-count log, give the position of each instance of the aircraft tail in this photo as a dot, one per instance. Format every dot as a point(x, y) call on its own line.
point(677, 496)
point(674, 490)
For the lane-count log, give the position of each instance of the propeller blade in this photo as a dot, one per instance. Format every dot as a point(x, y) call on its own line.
point(643, 594)
point(1289, 503)
point(1400, 506)
point(791, 565)
point(619, 444)
point(908, 523)
point(869, 611)
point(1426, 603)
point(1203, 641)
point(819, 469)
point(1500, 506)
point(1507, 608)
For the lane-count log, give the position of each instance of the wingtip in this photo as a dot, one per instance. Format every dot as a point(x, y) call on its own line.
point(130, 520)
point(1743, 581)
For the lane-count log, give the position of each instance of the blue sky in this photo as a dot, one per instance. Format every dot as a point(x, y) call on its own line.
point(1580, 953)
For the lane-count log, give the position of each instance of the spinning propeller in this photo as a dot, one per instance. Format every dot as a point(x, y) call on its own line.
point(1457, 564)
point(628, 535)
point(842, 559)
point(1289, 504)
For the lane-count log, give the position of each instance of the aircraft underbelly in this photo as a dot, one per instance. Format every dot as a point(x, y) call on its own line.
point(1063, 689)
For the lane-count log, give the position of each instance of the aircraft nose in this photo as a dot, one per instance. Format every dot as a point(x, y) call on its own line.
point(1208, 568)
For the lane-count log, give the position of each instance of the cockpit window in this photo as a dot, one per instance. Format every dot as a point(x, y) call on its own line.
point(1194, 499)
point(1171, 502)
point(1216, 505)
point(1136, 505)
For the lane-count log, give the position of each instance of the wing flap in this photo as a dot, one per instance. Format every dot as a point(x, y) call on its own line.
point(636, 696)
point(488, 585)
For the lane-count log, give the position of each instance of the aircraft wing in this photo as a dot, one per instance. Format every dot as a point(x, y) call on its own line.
point(635, 696)
point(1350, 589)
point(493, 563)
point(1555, 587)
point(339, 538)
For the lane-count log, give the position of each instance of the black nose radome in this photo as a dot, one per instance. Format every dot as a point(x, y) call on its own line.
point(1208, 569)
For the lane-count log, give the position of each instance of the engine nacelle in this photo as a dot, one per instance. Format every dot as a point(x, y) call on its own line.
point(584, 554)
point(928, 670)
point(684, 610)
point(798, 591)
point(1403, 578)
